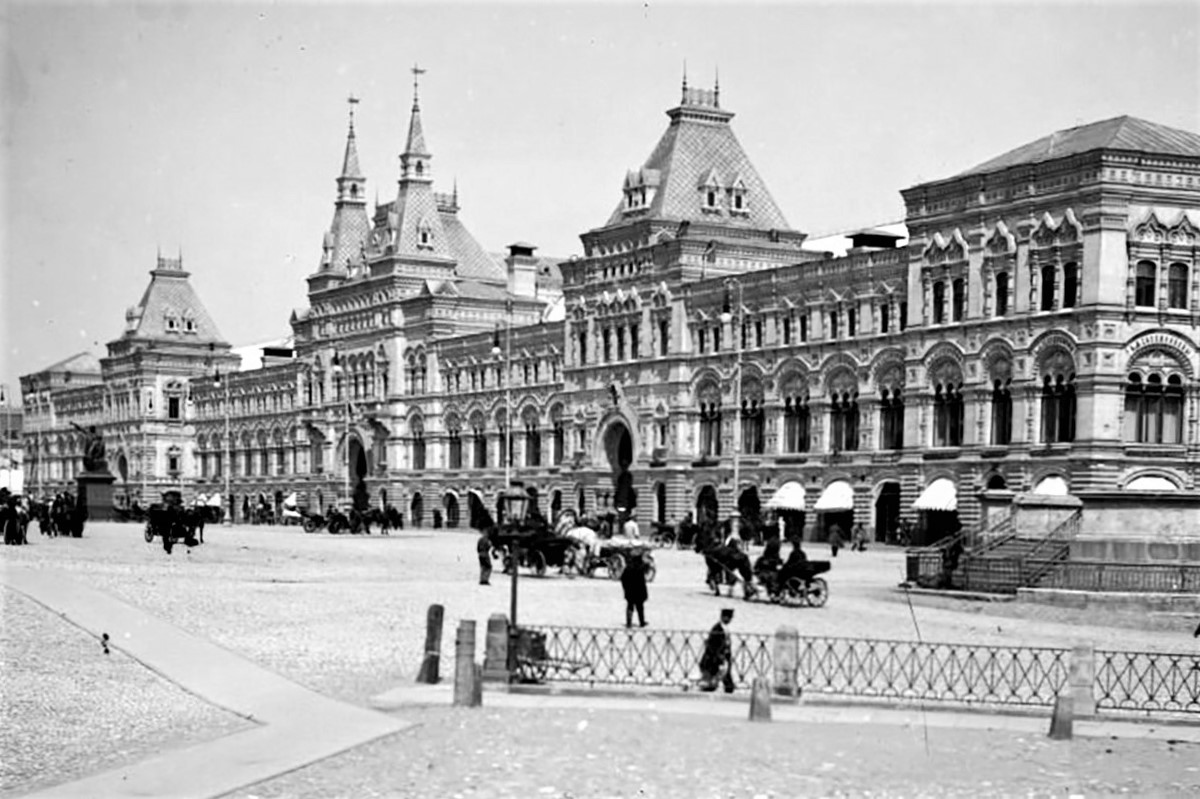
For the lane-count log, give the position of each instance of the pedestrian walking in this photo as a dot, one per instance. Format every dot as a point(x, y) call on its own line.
point(858, 538)
point(717, 659)
point(835, 540)
point(484, 549)
point(633, 582)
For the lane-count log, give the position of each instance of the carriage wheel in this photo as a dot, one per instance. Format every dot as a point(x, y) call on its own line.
point(793, 594)
point(538, 561)
point(616, 565)
point(309, 526)
point(818, 592)
point(148, 534)
point(651, 569)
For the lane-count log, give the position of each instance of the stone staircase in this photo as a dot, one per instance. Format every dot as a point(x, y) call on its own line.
point(1014, 561)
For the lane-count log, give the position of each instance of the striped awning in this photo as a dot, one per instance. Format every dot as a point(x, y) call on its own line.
point(837, 496)
point(789, 496)
point(941, 494)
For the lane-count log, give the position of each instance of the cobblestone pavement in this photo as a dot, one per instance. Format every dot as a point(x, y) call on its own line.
point(457, 753)
point(344, 615)
point(70, 710)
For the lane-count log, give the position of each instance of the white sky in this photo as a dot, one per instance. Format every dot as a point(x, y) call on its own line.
point(219, 129)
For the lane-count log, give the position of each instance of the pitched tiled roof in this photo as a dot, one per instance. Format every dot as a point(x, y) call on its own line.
point(472, 289)
point(170, 296)
point(699, 143)
point(79, 363)
point(472, 262)
point(1120, 133)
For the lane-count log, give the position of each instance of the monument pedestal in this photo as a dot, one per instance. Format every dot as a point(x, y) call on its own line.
point(94, 496)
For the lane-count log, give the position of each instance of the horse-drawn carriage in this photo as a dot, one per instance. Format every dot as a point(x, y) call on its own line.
point(594, 552)
point(173, 522)
point(794, 583)
point(531, 544)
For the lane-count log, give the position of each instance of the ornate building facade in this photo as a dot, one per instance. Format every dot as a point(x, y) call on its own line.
point(1031, 328)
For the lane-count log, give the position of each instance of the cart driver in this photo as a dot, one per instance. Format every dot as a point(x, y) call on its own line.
point(796, 564)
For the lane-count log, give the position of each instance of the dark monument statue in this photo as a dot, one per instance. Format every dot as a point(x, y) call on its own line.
point(95, 484)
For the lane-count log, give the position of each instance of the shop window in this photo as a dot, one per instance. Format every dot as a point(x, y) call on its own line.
point(1002, 412)
point(843, 418)
point(795, 424)
point(1070, 285)
point(1002, 294)
point(939, 302)
point(1058, 409)
point(1177, 286)
point(891, 420)
point(1144, 284)
point(1048, 287)
point(947, 416)
point(1154, 409)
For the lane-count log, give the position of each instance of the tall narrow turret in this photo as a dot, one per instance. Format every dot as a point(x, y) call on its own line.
point(344, 243)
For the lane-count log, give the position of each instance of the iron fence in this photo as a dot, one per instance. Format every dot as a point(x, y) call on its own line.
point(608, 656)
point(1132, 577)
point(1147, 682)
point(910, 670)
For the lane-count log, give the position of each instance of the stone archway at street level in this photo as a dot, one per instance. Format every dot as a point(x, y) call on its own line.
point(617, 439)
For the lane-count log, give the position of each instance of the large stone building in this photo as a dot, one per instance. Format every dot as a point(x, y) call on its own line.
point(1031, 327)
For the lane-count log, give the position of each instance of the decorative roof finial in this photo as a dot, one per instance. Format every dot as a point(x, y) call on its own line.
point(717, 87)
point(417, 73)
point(684, 93)
point(352, 101)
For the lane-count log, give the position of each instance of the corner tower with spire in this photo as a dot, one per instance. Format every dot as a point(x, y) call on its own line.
point(344, 244)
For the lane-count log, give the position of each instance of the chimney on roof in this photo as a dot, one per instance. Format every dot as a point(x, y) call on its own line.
point(522, 270)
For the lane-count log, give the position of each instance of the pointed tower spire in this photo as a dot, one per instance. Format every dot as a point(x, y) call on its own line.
point(717, 87)
point(343, 243)
point(416, 135)
point(683, 95)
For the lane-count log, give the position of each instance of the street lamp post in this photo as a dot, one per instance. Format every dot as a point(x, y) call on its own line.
point(729, 314)
point(226, 466)
point(508, 422)
point(516, 504)
point(336, 368)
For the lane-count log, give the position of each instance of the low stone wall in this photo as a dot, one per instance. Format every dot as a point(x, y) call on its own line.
point(1139, 527)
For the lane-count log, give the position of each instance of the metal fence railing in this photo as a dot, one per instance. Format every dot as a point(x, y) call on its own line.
point(869, 669)
point(1080, 575)
point(1147, 681)
point(909, 670)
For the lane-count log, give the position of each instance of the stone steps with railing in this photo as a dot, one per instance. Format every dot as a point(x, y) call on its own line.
point(1014, 561)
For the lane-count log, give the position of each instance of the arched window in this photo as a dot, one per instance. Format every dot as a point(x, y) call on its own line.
point(560, 441)
point(939, 302)
point(479, 440)
point(753, 427)
point(851, 323)
point(843, 418)
point(1048, 287)
point(1058, 408)
point(1154, 409)
point(947, 415)
point(1002, 411)
point(1002, 294)
point(717, 339)
point(418, 445)
point(958, 299)
point(710, 429)
point(795, 422)
point(1145, 281)
point(1177, 286)
point(664, 338)
point(833, 324)
point(454, 444)
point(891, 419)
point(1070, 285)
point(533, 443)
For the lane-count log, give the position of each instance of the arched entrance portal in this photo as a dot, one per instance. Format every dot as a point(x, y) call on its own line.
point(706, 506)
point(358, 475)
point(417, 510)
point(750, 510)
point(618, 446)
point(887, 512)
point(450, 503)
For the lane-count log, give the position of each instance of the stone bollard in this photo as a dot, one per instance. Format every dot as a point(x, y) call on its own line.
point(1081, 677)
point(433, 645)
point(464, 664)
point(477, 686)
point(760, 700)
point(1061, 723)
point(787, 662)
point(495, 659)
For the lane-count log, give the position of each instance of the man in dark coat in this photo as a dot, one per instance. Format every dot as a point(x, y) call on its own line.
point(633, 581)
point(484, 549)
point(716, 662)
